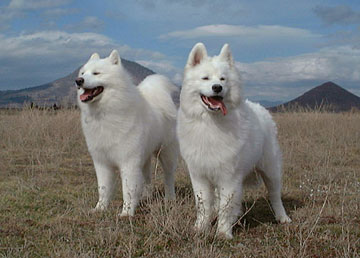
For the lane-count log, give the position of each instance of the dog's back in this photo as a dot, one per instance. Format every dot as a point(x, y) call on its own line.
point(157, 91)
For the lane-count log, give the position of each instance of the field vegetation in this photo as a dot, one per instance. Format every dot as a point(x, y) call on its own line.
point(48, 186)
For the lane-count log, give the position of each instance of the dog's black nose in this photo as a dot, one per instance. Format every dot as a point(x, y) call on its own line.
point(79, 81)
point(217, 88)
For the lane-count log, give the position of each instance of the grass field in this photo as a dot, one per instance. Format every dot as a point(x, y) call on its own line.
point(48, 186)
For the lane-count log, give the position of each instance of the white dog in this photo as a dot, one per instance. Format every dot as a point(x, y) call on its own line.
point(124, 125)
point(222, 138)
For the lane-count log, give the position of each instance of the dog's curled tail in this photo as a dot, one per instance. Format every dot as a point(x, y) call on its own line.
point(158, 91)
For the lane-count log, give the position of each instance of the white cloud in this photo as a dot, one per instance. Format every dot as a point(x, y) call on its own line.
point(32, 59)
point(36, 4)
point(62, 44)
point(332, 63)
point(278, 78)
point(251, 32)
point(51, 43)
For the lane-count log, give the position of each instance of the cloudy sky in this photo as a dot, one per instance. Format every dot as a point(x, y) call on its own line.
point(282, 47)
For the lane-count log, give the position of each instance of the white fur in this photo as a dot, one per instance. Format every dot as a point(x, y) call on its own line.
point(124, 126)
point(221, 151)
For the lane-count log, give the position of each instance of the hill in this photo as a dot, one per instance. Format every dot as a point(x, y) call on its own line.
point(328, 95)
point(61, 91)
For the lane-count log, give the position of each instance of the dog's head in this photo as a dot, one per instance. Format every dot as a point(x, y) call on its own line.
point(211, 84)
point(96, 75)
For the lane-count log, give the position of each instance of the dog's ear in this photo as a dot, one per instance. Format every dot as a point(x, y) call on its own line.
point(225, 54)
point(197, 54)
point(94, 56)
point(114, 57)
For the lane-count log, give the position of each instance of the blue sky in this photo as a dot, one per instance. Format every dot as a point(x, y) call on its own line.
point(282, 47)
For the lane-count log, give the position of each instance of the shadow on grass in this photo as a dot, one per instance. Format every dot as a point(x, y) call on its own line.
point(257, 212)
point(260, 212)
point(181, 192)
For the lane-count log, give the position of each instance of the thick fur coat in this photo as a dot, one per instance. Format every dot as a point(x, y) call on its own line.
point(223, 138)
point(124, 126)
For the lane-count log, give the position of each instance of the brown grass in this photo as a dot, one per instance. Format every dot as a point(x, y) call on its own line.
point(48, 186)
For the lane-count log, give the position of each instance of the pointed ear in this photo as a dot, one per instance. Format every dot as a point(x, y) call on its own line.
point(225, 54)
point(114, 57)
point(197, 54)
point(94, 56)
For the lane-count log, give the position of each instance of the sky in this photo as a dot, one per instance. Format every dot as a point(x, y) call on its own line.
point(281, 47)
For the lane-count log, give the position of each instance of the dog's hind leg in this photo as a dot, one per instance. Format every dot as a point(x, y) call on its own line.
point(147, 192)
point(168, 158)
point(270, 171)
point(106, 181)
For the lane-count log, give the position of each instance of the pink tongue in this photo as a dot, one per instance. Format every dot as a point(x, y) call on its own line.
point(218, 103)
point(85, 95)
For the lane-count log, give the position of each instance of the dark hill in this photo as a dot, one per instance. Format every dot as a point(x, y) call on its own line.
point(329, 95)
point(61, 91)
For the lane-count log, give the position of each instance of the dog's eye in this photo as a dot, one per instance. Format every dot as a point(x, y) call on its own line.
point(205, 78)
point(96, 73)
point(222, 79)
point(82, 73)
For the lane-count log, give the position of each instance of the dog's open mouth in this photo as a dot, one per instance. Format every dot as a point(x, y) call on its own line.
point(89, 94)
point(214, 103)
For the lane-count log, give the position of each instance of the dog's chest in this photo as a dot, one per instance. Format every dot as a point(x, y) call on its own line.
point(209, 144)
point(103, 133)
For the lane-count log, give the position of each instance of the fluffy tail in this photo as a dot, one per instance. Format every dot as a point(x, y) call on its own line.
point(158, 91)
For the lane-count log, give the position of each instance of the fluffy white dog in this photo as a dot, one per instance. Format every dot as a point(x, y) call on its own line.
point(124, 125)
point(222, 138)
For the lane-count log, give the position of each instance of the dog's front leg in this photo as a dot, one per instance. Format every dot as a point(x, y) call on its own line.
point(132, 181)
point(106, 181)
point(230, 195)
point(204, 199)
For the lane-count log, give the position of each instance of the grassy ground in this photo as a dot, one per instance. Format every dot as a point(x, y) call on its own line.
point(48, 186)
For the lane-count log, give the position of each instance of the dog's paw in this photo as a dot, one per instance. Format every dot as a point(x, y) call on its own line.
point(283, 219)
point(123, 215)
point(98, 208)
point(126, 213)
point(225, 235)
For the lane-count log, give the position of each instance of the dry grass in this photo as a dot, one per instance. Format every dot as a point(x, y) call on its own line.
point(48, 185)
